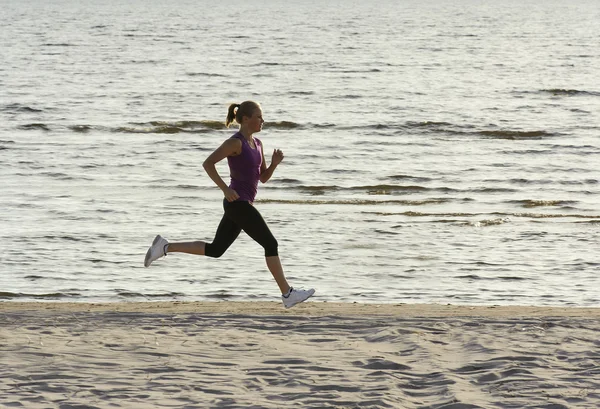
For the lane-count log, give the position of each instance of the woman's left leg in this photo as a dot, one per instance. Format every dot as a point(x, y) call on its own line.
point(250, 220)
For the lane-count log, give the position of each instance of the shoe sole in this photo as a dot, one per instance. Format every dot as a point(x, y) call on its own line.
point(301, 301)
point(149, 252)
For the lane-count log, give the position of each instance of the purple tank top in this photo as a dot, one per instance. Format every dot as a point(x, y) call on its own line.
point(245, 169)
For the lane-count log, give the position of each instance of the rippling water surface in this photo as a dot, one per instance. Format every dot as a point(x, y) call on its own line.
point(435, 152)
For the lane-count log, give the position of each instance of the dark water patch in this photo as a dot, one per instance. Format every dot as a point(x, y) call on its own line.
point(492, 190)
point(543, 203)
point(426, 125)
point(286, 181)
point(99, 261)
point(282, 125)
point(65, 238)
point(57, 175)
point(35, 126)
point(269, 64)
point(33, 277)
point(522, 181)
point(383, 189)
point(346, 96)
point(554, 216)
point(502, 278)
point(484, 222)
point(80, 128)
point(355, 202)
point(421, 127)
point(512, 278)
point(363, 71)
point(318, 190)
point(569, 92)
point(221, 295)
point(165, 127)
point(130, 294)
point(18, 108)
point(204, 74)
point(389, 189)
point(394, 188)
point(470, 277)
point(322, 126)
point(418, 179)
point(515, 135)
point(49, 296)
point(59, 45)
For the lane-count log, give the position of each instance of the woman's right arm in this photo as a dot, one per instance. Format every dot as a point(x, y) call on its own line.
point(231, 147)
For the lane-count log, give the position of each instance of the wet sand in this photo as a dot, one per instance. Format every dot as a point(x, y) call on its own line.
point(316, 355)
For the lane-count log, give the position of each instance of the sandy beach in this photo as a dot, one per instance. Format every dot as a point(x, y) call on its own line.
point(316, 355)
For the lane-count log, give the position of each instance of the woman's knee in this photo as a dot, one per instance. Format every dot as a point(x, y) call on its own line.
point(214, 251)
point(271, 247)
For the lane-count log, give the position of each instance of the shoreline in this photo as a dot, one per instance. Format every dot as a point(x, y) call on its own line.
point(268, 308)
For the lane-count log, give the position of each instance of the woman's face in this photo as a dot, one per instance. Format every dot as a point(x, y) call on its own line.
point(255, 121)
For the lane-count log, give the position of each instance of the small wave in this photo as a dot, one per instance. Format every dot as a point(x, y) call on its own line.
point(60, 175)
point(282, 125)
point(554, 216)
point(66, 238)
point(80, 128)
point(470, 277)
point(569, 92)
point(286, 181)
point(130, 294)
point(411, 178)
point(222, 295)
point(9, 295)
point(29, 127)
point(204, 74)
point(166, 127)
point(515, 135)
point(356, 202)
point(389, 189)
point(543, 203)
point(503, 278)
point(427, 124)
point(59, 45)
point(370, 189)
point(20, 108)
point(489, 222)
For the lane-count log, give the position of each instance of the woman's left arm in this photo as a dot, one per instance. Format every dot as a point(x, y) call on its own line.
point(267, 172)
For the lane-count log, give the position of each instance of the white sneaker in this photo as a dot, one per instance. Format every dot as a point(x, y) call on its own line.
point(296, 296)
point(156, 250)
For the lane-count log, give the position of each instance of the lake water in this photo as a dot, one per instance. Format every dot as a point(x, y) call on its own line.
point(436, 151)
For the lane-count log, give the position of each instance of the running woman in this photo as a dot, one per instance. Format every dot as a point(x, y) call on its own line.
point(247, 166)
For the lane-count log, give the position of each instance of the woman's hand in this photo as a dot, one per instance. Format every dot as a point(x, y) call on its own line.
point(277, 157)
point(230, 194)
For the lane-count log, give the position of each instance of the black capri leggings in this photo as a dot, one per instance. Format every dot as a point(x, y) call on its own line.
point(241, 216)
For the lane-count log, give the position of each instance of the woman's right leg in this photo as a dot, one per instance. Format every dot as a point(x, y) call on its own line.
point(226, 234)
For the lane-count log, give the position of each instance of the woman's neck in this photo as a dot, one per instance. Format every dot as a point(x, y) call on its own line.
point(246, 133)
